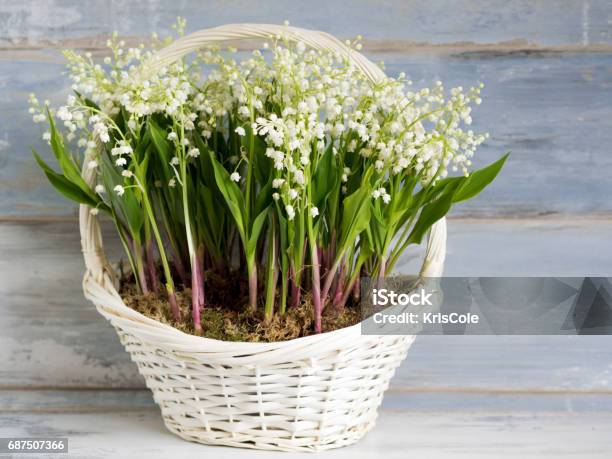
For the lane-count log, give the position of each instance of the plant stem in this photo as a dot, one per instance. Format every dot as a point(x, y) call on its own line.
point(357, 287)
point(339, 287)
point(197, 295)
point(316, 286)
point(249, 178)
point(271, 275)
point(381, 271)
point(330, 277)
point(193, 258)
point(252, 273)
point(176, 312)
point(150, 257)
point(201, 260)
point(296, 291)
point(126, 246)
point(316, 275)
point(349, 290)
point(175, 254)
point(140, 268)
point(284, 293)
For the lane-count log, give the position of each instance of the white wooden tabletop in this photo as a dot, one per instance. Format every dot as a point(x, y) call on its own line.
point(127, 424)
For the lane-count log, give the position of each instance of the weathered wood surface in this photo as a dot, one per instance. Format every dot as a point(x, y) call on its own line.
point(552, 111)
point(544, 22)
point(50, 336)
point(131, 400)
point(116, 424)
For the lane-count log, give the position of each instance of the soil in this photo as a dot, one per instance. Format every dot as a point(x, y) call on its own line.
point(227, 317)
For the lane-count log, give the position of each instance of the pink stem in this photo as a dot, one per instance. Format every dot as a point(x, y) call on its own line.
point(253, 289)
point(202, 295)
point(296, 291)
point(316, 289)
point(339, 286)
point(381, 272)
point(357, 289)
point(322, 260)
point(143, 281)
point(196, 293)
point(347, 293)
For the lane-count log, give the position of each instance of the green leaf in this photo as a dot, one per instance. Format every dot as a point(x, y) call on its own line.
point(258, 224)
point(128, 204)
point(206, 169)
point(377, 228)
point(325, 179)
point(209, 219)
point(402, 200)
point(88, 102)
point(283, 241)
point(431, 213)
point(162, 147)
point(355, 216)
point(478, 180)
point(232, 196)
point(263, 200)
point(71, 171)
point(262, 165)
point(65, 186)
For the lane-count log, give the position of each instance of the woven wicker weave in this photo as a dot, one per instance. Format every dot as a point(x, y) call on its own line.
point(312, 393)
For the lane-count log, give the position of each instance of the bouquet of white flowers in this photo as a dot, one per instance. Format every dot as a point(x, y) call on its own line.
point(289, 167)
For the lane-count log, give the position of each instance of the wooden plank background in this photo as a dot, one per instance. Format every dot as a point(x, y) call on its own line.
point(548, 74)
point(547, 67)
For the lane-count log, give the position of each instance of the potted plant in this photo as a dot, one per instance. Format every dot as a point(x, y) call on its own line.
point(286, 175)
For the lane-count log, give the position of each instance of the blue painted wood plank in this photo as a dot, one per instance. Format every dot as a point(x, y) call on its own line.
point(553, 111)
point(50, 336)
point(545, 22)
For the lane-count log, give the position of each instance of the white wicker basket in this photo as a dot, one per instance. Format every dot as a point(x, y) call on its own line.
point(313, 393)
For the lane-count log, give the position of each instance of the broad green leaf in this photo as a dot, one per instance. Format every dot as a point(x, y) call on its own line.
point(262, 165)
point(232, 195)
point(377, 228)
point(365, 252)
point(65, 161)
point(258, 224)
point(129, 205)
point(431, 213)
point(88, 102)
point(65, 186)
point(402, 200)
point(356, 216)
point(163, 148)
point(283, 242)
point(478, 180)
point(263, 200)
point(209, 220)
point(325, 179)
point(206, 170)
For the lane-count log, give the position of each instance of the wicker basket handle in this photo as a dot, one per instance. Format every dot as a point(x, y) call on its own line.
point(91, 240)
